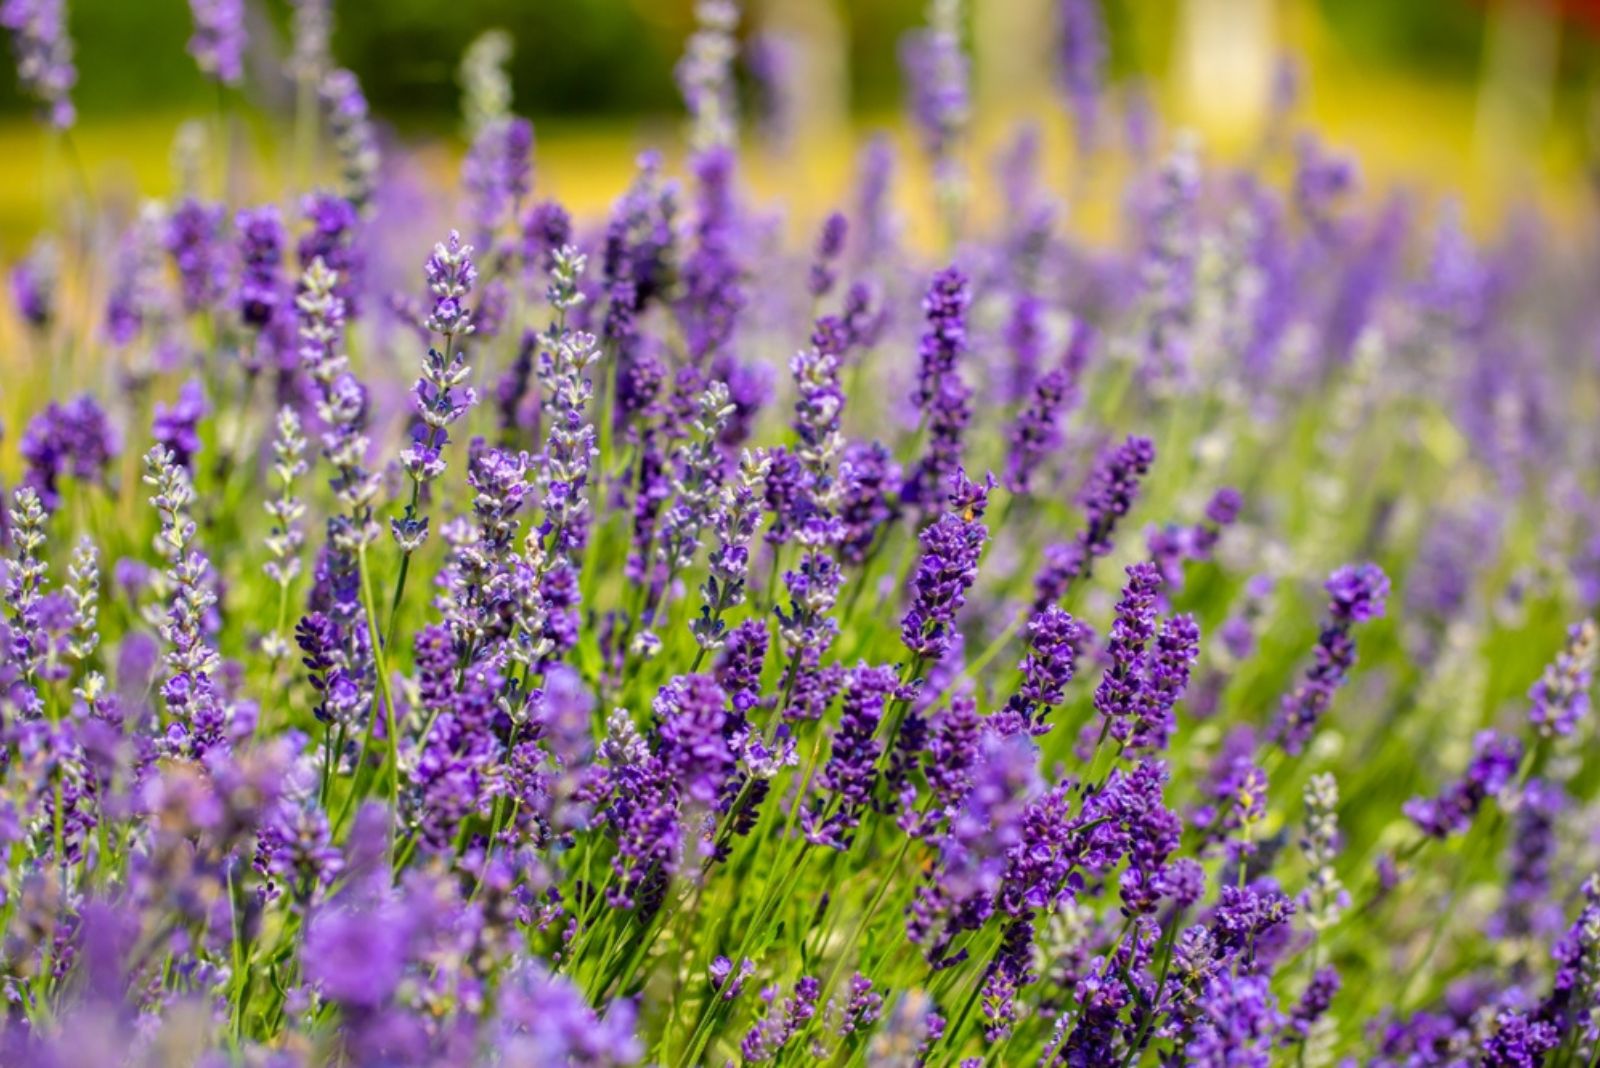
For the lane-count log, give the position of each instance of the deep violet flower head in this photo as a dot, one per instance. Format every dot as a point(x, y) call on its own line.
point(177, 425)
point(951, 547)
point(1107, 497)
point(1131, 632)
point(944, 308)
point(74, 440)
point(847, 779)
point(194, 240)
point(1356, 594)
point(943, 397)
point(692, 714)
point(1237, 1024)
point(1055, 641)
point(1037, 429)
point(1495, 759)
point(333, 225)
point(830, 246)
point(262, 290)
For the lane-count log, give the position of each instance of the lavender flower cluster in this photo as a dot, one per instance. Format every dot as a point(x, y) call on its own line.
point(1175, 651)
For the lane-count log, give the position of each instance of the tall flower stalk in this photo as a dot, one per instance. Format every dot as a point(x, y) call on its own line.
point(439, 397)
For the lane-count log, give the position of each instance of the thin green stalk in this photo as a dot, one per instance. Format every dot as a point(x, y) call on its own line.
point(381, 661)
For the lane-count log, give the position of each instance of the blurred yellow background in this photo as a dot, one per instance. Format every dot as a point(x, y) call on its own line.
point(1497, 110)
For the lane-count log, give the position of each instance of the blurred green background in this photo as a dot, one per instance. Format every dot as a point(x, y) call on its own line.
point(613, 58)
point(1488, 97)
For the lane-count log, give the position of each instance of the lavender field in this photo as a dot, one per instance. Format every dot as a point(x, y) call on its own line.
point(443, 628)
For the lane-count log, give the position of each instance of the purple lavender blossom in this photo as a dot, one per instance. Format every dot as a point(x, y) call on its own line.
point(217, 44)
point(711, 274)
point(1055, 641)
point(546, 228)
point(356, 142)
point(943, 397)
point(332, 239)
point(1519, 1042)
point(1135, 625)
point(868, 477)
point(783, 1022)
point(498, 174)
point(1314, 1001)
point(176, 426)
point(936, 73)
point(75, 439)
point(951, 547)
point(33, 281)
point(1037, 429)
point(1495, 759)
point(944, 308)
point(1172, 547)
point(691, 711)
point(43, 51)
point(1357, 594)
point(847, 779)
point(1107, 497)
point(262, 291)
point(830, 245)
point(1081, 60)
point(1526, 908)
point(960, 891)
point(1560, 699)
point(1237, 1024)
point(194, 240)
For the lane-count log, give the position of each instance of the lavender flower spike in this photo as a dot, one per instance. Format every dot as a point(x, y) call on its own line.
point(1037, 429)
point(1495, 758)
point(439, 401)
point(286, 537)
point(705, 75)
point(354, 139)
point(197, 718)
point(1081, 65)
point(217, 44)
point(1561, 696)
point(937, 75)
point(1357, 594)
point(24, 585)
point(1054, 640)
point(1324, 898)
point(735, 524)
point(949, 564)
point(1107, 497)
point(1117, 695)
point(43, 52)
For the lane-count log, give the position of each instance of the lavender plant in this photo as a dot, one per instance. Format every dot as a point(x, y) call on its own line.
point(820, 651)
